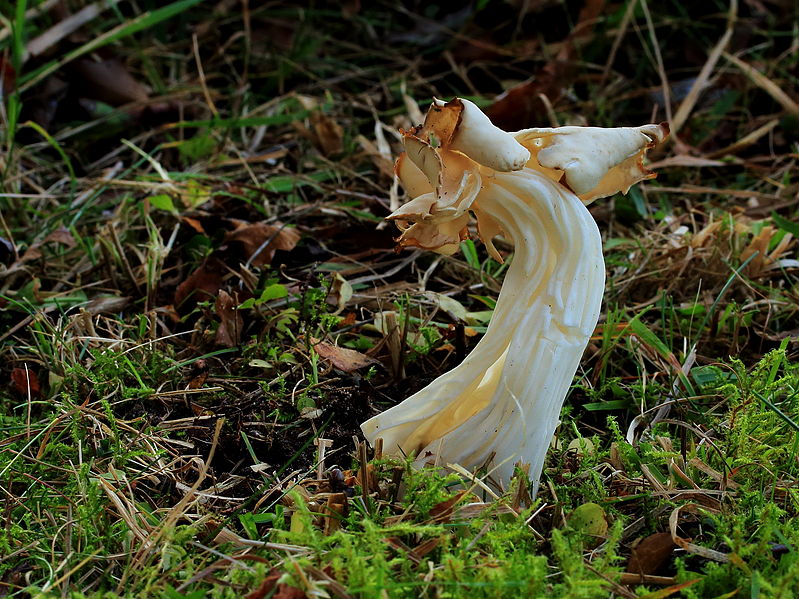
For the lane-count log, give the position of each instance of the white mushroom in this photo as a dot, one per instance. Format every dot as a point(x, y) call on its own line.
point(501, 405)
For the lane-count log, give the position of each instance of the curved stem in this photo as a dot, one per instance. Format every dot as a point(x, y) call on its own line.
point(503, 401)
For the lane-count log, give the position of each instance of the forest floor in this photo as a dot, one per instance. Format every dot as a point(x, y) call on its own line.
point(200, 302)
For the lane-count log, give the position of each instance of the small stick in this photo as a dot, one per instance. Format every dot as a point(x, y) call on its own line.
point(364, 474)
point(321, 448)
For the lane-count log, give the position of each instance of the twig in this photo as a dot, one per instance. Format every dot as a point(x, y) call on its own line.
point(765, 84)
point(62, 29)
point(664, 80)
point(687, 105)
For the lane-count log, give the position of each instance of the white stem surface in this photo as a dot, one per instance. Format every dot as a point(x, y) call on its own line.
point(501, 405)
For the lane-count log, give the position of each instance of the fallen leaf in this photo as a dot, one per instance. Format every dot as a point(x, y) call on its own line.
point(26, 382)
point(336, 510)
point(442, 511)
point(267, 586)
point(8, 77)
point(522, 106)
point(347, 360)
point(198, 381)
point(328, 134)
point(107, 304)
point(231, 325)
point(340, 293)
point(260, 241)
point(759, 245)
point(201, 371)
point(270, 157)
point(427, 546)
point(62, 236)
point(324, 133)
point(651, 553)
point(285, 591)
point(457, 310)
point(169, 312)
point(311, 413)
point(108, 81)
point(581, 447)
point(414, 112)
point(202, 284)
point(401, 548)
point(193, 223)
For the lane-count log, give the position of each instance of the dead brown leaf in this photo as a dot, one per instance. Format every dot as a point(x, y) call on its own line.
point(651, 553)
point(285, 591)
point(198, 381)
point(107, 304)
point(347, 360)
point(231, 325)
point(757, 250)
point(194, 224)
point(202, 284)
point(26, 382)
point(254, 242)
point(321, 130)
point(324, 132)
point(442, 512)
point(427, 546)
point(328, 134)
point(109, 81)
point(200, 374)
point(522, 106)
point(529, 103)
point(340, 292)
point(402, 549)
point(268, 156)
point(267, 586)
point(60, 236)
point(8, 77)
point(260, 241)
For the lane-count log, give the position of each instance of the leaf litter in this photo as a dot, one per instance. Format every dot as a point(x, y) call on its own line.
point(280, 215)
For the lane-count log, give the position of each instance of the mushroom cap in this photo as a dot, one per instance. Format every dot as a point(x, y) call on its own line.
point(457, 154)
point(463, 127)
point(593, 162)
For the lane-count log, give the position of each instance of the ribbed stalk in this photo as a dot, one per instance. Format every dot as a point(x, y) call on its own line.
point(501, 404)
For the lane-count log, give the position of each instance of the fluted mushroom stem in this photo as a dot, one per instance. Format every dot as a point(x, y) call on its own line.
point(518, 375)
